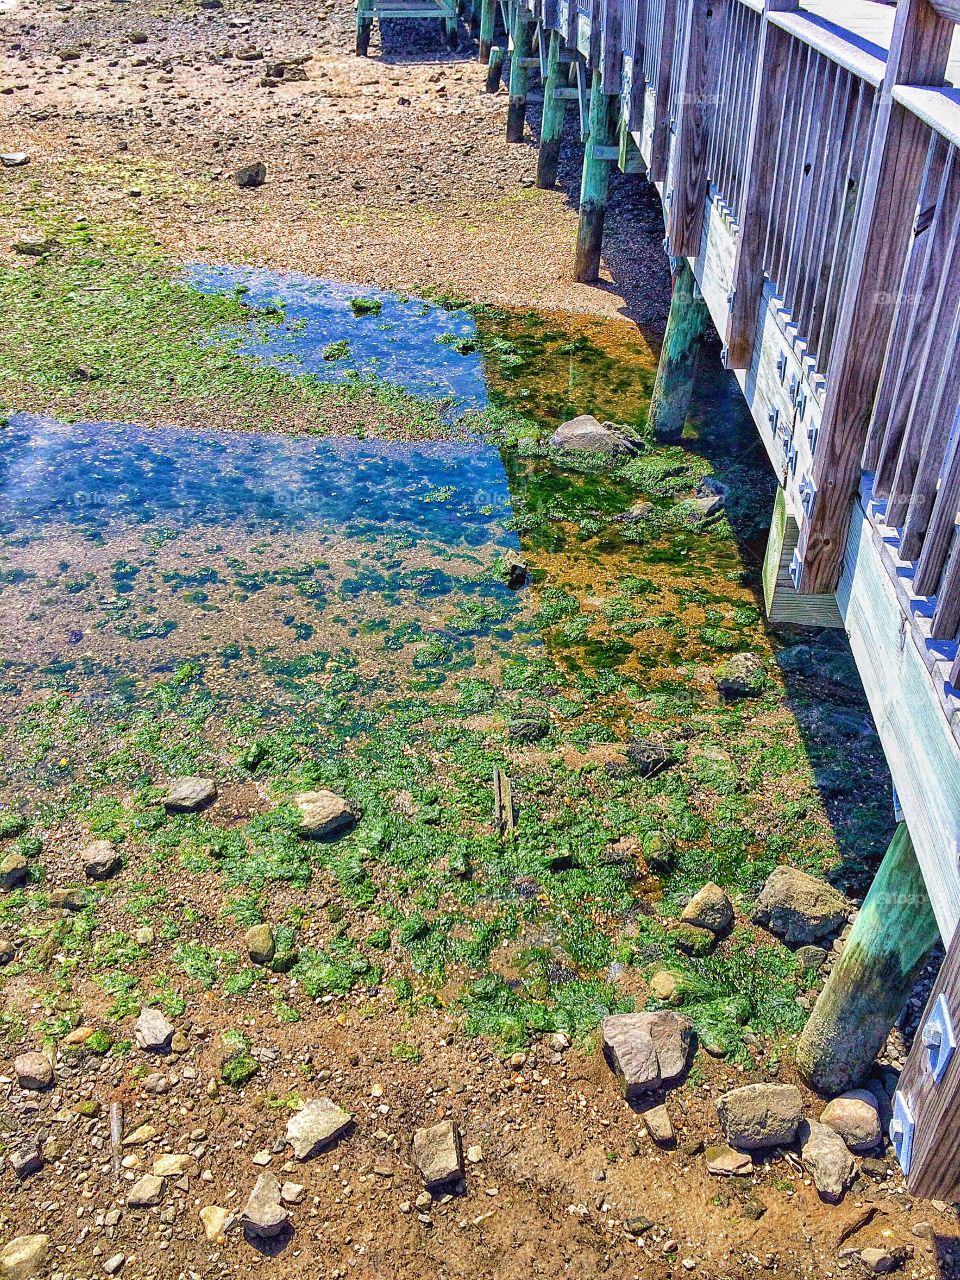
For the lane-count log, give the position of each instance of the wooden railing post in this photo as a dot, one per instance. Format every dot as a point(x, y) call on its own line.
point(660, 141)
point(769, 90)
point(696, 105)
point(918, 55)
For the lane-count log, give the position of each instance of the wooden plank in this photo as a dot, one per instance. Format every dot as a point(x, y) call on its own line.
point(943, 521)
point(934, 1165)
point(939, 108)
point(785, 606)
point(660, 115)
point(921, 44)
point(697, 98)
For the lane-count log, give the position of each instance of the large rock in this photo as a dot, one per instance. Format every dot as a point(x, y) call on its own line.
point(586, 435)
point(315, 1126)
point(324, 814)
point(261, 944)
point(33, 1070)
point(798, 907)
point(742, 676)
point(251, 175)
point(24, 1257)
point(100, 860)
point(264, 1214)
point(187, 795)
point(146, 1192)
point(856, 1117)
point(826, 1158)
point(14, 871)
point(760, 1115)
point(646, 1050)
point(724, 1162)
point(438, 1154)
point(709, 908)
point(153, 1032)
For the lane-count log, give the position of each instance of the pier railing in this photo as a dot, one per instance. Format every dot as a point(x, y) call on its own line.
point(814, 175)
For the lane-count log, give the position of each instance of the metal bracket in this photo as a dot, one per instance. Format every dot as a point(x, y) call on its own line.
point(813, 435)
point(796, 570)
point(808, 496)
point(782, 365)
point(774, 417)
point(901, 1131)
point(938, 1038)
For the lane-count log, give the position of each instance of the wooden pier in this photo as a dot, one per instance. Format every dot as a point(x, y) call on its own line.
point(808, 160)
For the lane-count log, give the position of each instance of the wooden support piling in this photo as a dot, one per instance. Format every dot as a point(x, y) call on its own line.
point(488, 17)
point(522, 49)
point(495, 68)
point(554, 109)
point(874, 976)
point(595, 182)
point(681, 345)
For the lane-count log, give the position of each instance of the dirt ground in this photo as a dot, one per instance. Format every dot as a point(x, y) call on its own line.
point(391, 171)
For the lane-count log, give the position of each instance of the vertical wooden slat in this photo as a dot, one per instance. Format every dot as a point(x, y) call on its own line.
point(918, 54)
point(696, 82)
point(943, 520)
point(666, 31)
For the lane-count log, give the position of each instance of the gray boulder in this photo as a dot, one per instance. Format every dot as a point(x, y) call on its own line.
point(709, 908)
point(742, 676)
point(33, 1071)
point(187, 795)
point(24, 1257)
point(264, 1214)
point(324, 814)
point(760, 1115)
point(798, 907)
point(438, 1154)
point(261, 945)
point(856, 1117)
point(315, 1126)
point(14, 871)
point(585, 434)
point(100, 860)
point(153, 1032)
point(645, 1050)
point(145, 1192)
point(251, 175)
point(826, 1158)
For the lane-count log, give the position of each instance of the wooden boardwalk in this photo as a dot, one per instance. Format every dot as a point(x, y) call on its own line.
point(808, 160)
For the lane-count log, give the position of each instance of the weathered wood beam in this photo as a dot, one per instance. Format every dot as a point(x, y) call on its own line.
point(495, 68)
point(686, 324)
point(551, 121)
point(595, 181)
point(870, 983)
point(697, 99)
point(523, 25)
point(918, 54)
point(488, 18)
point(762, 147)
point(660, 141)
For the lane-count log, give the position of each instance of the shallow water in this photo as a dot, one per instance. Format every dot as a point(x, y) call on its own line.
point(285, 612)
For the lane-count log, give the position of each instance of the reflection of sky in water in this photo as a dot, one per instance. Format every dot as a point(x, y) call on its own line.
point(98, 477)
point(401, 345)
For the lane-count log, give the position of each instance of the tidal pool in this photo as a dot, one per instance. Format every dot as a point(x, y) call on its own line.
point(289, 612)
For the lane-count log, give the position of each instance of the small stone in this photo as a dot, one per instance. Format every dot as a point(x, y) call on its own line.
point(100, 860)
point(323, 814)
point(146, 1192)
point(114, 1264)
point(25, 1160)
point(799, 908)
point(264, 1214)
point(709, 908)
point(179, 1043)
point(559, 1041)
point(826, 1158)
point(33, 246)
point(215, 1221)
point(292, 1192)
point(854, 1115)
point(187, 795)
point(144, 936)
point(68, 899)
point(152, 1031)
point(659, 1125)
point(78, 1036)
point(475, 1154)
point(645, 1050)
point(8, 949)
point(24, 1257)
point(636, 514)
point(760, 1115)
point(176, 1166)
point(14, 871)
point(665, 986)
point(14, 159)
point(251, 175)
point(33, 1070)
point(261, 945)
point(811, 957)
point(742, 676)
point(727, 1163)
point(879, 1262)
point(693, 941)
point(438, 1154)
point(314, 1127)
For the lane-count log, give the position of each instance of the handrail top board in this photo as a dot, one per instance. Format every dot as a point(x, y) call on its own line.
point(938, 108)
point(850, 51)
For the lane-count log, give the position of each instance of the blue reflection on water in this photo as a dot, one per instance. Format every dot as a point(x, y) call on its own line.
point(101, 476)
point(408, 343)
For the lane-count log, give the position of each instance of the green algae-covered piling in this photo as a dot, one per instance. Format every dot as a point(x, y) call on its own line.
point(519, 60)
point(595, 182)
point(554, 109)
point(681, 345)
point(871, 982)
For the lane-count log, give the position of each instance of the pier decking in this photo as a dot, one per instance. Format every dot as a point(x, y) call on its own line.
point(808, 160)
